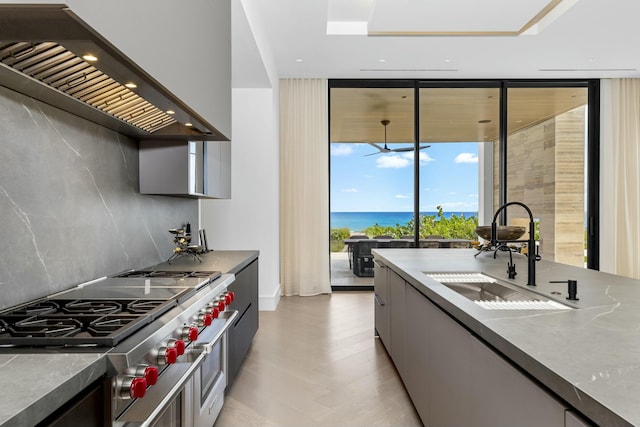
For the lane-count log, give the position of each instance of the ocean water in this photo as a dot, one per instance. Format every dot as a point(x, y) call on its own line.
point(358, 221)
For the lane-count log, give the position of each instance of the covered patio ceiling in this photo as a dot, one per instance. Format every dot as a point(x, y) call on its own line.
point(446, 114)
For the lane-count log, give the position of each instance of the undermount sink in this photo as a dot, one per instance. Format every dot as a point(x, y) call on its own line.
point(488, 293)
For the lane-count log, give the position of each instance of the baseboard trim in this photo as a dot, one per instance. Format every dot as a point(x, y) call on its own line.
point(269, 303)
point(352, 288)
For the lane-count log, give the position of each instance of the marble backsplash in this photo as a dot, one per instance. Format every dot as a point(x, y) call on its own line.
point(70, 210)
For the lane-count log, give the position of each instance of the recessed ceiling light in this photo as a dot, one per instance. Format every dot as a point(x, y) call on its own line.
point(381, 60)
point(89, 57)
point(484, 121)
point(298, 60)
point(188, 124)
point(170, 112)
point(447, 60)
point(518, 121)
point(131, 85)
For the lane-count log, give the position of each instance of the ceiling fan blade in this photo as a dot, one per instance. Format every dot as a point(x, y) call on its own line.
point(424, 146)
point(372, 154)
point(402, 150)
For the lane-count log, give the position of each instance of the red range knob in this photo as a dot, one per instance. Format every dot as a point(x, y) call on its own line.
point(137, 387)
point(232, 295)
point(221, 305)
point(208, 319)
point(171, 355)
point(179, 346)
point(192, 335)
point(215, 312)
point(151, 375)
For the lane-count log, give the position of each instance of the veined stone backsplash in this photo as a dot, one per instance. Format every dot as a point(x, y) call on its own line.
point(70, 210)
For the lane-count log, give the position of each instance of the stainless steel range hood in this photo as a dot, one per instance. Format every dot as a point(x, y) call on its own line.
point(43, 55)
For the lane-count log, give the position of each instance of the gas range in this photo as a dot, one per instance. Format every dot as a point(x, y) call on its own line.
point(157, 332)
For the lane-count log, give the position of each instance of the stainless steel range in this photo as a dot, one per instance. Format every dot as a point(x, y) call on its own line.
point(164, 334)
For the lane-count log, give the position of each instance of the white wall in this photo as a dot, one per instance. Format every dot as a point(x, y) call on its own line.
point(250, 219)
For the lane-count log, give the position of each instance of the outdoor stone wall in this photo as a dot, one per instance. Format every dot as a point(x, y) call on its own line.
point(546, 172)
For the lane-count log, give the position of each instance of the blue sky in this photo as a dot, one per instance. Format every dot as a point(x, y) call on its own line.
point(384, 182)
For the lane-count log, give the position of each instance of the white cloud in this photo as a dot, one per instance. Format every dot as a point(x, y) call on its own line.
point(466, 158)
point(423, 156)
point(350, 190)
point(401, 196)
point(394, 162)
point(341, 150)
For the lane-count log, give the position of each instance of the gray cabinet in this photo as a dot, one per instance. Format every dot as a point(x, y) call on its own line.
point(241, 333)
point(572, 419)
point(397, 310)
point(381, 303)
point(200, 169)
point(417, 357)
point(505, 397)
point(454, 378)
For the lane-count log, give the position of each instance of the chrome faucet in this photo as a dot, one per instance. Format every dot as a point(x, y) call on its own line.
point(532, 257)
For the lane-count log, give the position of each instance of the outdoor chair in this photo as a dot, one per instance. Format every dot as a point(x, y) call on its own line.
point(434, 236)
point(461, 244)
point(429, 244)
point(350, 246)
point(363, 258)
point(400, 243)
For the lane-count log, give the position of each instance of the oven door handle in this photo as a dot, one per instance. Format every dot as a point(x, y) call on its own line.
point(205, 342)
point(144, 412)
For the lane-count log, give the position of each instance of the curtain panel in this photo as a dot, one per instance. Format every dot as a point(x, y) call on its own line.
point(304, 187)
point(625, 127)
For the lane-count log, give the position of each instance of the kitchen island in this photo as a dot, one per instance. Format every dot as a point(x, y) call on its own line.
point(38, 382)
point(466, 365)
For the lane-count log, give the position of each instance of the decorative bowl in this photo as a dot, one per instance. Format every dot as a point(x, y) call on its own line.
point(505, 232)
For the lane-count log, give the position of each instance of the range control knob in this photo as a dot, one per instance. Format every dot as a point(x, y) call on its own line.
point(189, 333)
point(130, 387)
point(228, 298)
point(221, 304)
point(215, 312)
point(204, 318)
point(167, 355)
point(149, 373)
point(232, 295)
point(179, 345)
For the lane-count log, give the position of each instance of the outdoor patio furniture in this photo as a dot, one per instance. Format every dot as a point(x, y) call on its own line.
point(426, 243)
point(400, 243)
point(350, 246)
point(363, 258)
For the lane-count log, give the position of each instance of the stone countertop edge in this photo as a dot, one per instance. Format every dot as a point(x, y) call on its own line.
point(231, 261)
point(589, 357)
point(37, 384)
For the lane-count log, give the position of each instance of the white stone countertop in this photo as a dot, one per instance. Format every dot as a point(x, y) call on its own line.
point(589, 356)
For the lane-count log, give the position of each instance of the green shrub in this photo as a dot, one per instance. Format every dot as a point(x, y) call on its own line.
point(455, 227)
point(336, 237)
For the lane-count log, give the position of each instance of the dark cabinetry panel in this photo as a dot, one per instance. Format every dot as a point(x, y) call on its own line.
point(242, 332)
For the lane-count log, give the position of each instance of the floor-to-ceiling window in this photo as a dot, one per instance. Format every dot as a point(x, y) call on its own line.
point(476, 145)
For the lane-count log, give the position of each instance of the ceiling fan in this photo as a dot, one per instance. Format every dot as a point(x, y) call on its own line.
point(386, 149)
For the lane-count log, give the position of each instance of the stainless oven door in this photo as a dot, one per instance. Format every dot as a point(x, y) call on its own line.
point(170, 402)
point(209, 383)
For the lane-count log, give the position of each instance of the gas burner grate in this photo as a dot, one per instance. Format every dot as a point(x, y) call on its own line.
point(41, 307)
point(92, 307)
point(47, 327)
point(143, 306)
point(109, 324)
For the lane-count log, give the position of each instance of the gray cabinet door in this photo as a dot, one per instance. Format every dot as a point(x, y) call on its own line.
point(417, 351)
point(381, 301)
point(449, 371)
point(572, 419)
point(397, 318)
point(505, 397)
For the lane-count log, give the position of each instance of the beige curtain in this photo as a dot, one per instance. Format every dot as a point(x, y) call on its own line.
point(304, 187)
point(625, 127)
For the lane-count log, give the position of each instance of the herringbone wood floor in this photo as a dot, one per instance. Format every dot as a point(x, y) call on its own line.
point(315, 362)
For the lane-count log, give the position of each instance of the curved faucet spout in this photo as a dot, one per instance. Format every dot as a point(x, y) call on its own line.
point(531, 242)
